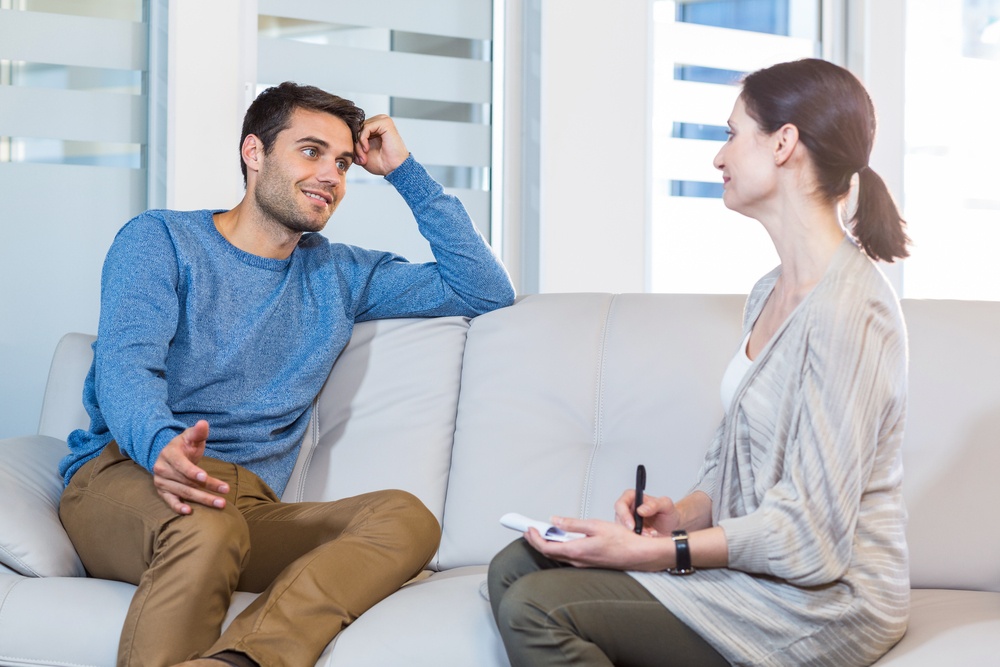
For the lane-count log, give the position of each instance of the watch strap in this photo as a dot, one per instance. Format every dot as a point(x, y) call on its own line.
point(683, 551)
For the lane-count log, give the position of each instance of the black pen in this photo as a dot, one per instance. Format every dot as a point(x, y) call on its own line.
point(640, 486)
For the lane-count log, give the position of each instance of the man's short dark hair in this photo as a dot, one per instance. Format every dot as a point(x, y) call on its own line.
point(271, 113)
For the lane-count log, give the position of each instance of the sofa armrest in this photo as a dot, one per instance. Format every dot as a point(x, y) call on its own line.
point(62, 407)
point(32, 539)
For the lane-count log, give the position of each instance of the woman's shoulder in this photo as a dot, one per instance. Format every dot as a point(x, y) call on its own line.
point(855, 280)
point(854, 302)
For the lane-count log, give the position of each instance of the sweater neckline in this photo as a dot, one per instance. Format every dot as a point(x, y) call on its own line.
point(255, 261)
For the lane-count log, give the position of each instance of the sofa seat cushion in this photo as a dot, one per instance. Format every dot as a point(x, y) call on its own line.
point(408, 628)
point(61, 620)
point(949, 627)
point(32, 539)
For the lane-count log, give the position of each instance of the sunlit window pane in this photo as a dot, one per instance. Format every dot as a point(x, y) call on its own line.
point(952, 200)
point(702, 49)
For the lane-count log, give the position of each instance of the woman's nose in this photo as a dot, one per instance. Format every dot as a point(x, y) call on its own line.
point(718, 162)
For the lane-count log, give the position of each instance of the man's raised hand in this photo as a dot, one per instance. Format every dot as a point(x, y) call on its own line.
point(380, 149)
point(177, 477)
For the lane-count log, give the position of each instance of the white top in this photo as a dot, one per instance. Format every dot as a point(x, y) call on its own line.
point(735, 372)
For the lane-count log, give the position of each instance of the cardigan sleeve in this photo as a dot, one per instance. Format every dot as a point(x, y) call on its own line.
point(852, 383)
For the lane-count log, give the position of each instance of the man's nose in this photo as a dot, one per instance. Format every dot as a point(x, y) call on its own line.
point(329, 173)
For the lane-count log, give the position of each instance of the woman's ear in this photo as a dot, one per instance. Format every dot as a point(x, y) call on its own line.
point(787, 138)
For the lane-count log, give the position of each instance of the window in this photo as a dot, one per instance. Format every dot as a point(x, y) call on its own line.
point(946, 104)
point(952, 98)
point(702, 48)
point(73, 137)
point(430, 71)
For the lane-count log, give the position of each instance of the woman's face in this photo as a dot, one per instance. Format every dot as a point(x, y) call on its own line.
point(747, 162)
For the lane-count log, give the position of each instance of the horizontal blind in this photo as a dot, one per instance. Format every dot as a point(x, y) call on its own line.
point(696, 244)
point(427, 64)
point(73, 131)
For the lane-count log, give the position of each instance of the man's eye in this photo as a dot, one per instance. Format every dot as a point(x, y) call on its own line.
point(310, 152)
point(342, 165)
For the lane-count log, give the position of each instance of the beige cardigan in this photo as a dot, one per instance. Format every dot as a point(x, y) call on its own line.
point(805, 476)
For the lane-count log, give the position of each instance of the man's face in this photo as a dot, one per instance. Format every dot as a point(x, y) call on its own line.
point(301, 180)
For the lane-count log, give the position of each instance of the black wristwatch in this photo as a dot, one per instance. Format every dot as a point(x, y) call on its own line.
point(680, 538)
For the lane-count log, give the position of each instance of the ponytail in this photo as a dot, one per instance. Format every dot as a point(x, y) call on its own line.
point(877, 224)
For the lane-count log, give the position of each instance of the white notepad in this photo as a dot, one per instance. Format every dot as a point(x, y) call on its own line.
point(521, 523)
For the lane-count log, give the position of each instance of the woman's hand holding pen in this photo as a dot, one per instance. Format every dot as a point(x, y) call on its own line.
point(660, 515)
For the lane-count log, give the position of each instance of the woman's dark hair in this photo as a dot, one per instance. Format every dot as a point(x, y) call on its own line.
point(271, 113)
point(835, 118)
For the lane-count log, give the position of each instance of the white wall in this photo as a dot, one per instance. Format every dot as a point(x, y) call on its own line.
point(211, 74)
point(594, 145)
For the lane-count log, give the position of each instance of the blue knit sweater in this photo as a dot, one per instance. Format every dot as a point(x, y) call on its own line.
point(193, 328)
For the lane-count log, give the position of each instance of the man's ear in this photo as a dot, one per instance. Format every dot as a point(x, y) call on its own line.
point(252, 151)
point(786, 139)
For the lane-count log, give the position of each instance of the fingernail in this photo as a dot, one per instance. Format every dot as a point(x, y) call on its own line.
point(219, 502)
point(201, 477)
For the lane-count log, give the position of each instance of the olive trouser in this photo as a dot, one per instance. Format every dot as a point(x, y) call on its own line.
point(553, 614)
point(318, 566)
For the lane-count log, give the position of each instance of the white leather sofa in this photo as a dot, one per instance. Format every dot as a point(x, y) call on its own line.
point(544, 407)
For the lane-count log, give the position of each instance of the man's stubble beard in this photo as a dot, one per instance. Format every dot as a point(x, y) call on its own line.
point(280, 205)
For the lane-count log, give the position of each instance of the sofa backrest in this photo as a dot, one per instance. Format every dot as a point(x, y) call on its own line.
point(384, 419)
point(62, 405)
point(951, 449)
point(564, 394)
point(546, 407)
point(386, 416)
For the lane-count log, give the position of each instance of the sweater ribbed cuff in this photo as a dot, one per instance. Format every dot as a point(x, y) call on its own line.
point(746, 537)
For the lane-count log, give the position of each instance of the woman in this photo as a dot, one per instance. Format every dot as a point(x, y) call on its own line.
point(795, 526)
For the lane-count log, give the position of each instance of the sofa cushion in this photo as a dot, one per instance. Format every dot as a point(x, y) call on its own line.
point(437, 621)
point(61, 621)
point(386, 416)
point(62, 408)
point(951, 460)
point(948, 628)
point(32, 539)
point(563, 394)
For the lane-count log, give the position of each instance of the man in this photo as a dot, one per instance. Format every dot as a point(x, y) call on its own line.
point(217, 330)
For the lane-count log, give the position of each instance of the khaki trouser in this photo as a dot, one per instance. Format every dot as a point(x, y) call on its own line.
point(318, 566)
